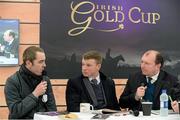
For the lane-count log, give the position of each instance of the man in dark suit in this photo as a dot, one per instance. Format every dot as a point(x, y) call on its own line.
point(148, 83)
point(11, 46)
point(91, 87)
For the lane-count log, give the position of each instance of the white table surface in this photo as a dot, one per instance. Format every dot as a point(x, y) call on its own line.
point(88, 116)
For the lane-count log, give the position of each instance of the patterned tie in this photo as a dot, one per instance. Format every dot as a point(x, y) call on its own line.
point(94, 81)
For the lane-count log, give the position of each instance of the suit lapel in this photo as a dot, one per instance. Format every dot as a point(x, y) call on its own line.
point(90, 91)
point(142, 81)
point(158, 85)
point(105, 91)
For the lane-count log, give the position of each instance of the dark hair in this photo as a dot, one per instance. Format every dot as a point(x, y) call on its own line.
point(159, 59)
point(93, 55)
point(30, 53)
point(12, 33)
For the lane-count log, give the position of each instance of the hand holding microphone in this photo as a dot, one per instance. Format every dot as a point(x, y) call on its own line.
point(40, 89)
point(140, 92)
point(44, 97)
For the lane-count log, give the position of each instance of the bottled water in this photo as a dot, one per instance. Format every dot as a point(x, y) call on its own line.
point(163, 104)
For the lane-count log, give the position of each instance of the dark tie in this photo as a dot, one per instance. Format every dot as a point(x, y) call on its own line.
point(149, 80)
point(94, 81)
point(149, 91)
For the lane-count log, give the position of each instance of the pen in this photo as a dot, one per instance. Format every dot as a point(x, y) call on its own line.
point(170, 98)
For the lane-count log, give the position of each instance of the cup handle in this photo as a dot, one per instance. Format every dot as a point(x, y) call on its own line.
point(91, 107)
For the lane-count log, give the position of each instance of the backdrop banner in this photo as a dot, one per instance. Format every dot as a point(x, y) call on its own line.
point(122, 30)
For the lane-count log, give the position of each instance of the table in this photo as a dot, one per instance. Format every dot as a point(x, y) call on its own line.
point(88, 116)
point(141, 117)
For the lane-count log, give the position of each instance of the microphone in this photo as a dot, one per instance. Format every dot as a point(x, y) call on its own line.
point(44, 78)
point(44, 74)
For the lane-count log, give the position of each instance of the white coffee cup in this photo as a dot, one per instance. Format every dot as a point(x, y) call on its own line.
point(86, 107)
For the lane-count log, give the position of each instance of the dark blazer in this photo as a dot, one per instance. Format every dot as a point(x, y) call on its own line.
point(164, 81)
point(13, 48)
point(79, 90)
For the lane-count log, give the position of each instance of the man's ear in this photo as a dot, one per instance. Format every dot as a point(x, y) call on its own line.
point(159, 65)
point(28, 63)
point(99, 66)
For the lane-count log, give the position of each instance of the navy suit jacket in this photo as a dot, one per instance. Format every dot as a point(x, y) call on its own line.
point(164, 81)
point(77, 91)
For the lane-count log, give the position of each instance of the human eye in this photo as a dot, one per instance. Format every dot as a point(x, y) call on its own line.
point(89, 65)
point(41, 61)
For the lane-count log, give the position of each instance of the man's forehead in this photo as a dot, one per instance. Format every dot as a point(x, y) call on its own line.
point(150, 54)
point(89, 60)
point(6, 33)
point(40, 55)
point(149, 57)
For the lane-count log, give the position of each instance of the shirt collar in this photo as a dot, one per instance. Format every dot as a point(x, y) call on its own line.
point(97, 78)
point(154, 78)
point(10, 42)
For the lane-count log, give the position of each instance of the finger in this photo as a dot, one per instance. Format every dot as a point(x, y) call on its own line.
point(141, 87)
point(173, 103)
point(44, 82)
point(43, 91)
point(45, 88)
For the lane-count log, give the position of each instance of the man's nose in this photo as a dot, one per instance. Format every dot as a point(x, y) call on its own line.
point(142, 64)
point(44, 64)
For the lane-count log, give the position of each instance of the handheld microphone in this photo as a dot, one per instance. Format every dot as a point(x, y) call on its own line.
point(44, 97)
point(44, 74)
